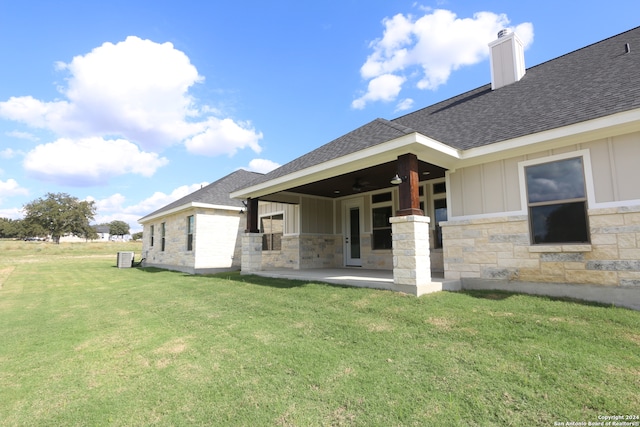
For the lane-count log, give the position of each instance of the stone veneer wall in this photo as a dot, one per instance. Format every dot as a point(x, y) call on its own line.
point(175, 256)
point(216, 242)
point(320, 251)
point(381, 259)
point(325, 251)
point(305, 251)
point(499, 248)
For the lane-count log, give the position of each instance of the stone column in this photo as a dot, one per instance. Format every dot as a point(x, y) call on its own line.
point(251, 253)
point(411, 261)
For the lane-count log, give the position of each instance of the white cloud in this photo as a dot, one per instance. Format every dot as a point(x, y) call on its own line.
point(262, 165)
point(89, 161)
point(11, 213)
point(404, 105)
point(22, 135)
point(160, 199)
point(113, 203)
point(223, 137)
point(381, 88)
point(136, 90)
point(11, 188)
point(435, 44)
point(8, 153)
point(114, 207)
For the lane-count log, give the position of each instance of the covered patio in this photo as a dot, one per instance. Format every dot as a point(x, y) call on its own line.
point(358, 277)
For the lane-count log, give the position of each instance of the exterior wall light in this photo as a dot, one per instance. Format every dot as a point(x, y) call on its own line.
point(396, 180)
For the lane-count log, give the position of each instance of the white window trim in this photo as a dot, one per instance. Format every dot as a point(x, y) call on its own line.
point(384, 204)
point(430, 201)
point(274, 213)
point(586, 165)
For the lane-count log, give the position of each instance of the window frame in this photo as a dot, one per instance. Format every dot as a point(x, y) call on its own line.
point(437, 193)
point(384, 204)
point(163, 234)
point(191, 225)
point(268, 239)
point(151, 234)
point(587, 200)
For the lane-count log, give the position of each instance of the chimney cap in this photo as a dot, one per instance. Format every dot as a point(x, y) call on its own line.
point(503, 32)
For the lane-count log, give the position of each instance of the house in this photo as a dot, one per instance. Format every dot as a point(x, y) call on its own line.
point(103, 231)
point(199, 233)
point(529, 183)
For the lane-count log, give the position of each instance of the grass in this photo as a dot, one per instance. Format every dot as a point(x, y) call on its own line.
point(85, 343)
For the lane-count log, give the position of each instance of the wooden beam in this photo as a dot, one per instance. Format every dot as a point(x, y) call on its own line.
point(252, 216)
point(409, 192)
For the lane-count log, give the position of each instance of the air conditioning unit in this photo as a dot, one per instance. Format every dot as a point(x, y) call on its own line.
point(125, 259)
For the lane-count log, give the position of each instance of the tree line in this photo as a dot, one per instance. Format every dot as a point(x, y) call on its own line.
point(56, 215)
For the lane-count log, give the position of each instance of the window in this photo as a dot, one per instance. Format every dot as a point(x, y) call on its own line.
point(440, 188)
point(272, 228)
point(557, 202)
point(153, 227)
point(190, 227)
point(162, 236)
point(380, 213)
point(440, 213)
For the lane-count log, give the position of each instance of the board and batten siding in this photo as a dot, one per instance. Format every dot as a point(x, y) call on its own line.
point(290, 212)
point(316, 215)
point(494, 187)
point(310, 215)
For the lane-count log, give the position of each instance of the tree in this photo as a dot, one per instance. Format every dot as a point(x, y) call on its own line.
point(137, 236)
point(118, 228)
point(10, 228)
point(59, 214)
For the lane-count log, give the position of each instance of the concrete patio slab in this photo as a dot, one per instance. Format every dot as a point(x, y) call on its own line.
point(358, 277)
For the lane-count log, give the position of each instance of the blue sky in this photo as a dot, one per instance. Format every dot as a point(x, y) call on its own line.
point(133, 104)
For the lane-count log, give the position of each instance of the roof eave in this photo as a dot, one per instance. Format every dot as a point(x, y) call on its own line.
point(603, 127)
point(186, 206)
point(431, 150)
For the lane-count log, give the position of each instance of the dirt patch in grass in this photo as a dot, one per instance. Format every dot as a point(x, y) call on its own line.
point(634, 338)
point(175, 346)
point(380, 327)
point(341, 416)
point(441, 322)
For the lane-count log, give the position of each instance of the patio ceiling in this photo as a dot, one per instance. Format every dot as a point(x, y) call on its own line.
point(363, 180)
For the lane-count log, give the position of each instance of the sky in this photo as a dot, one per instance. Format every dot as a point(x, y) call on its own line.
point(133, 104)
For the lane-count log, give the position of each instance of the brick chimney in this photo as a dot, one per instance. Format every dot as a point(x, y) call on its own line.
point(507, 59)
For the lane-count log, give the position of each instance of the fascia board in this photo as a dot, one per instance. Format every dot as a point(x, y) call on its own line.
point(426, 148)
point(615, 124)
point(187, 206)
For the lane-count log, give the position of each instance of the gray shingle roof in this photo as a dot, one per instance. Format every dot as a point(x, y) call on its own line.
point(589, 83)
point(592, 82)
point(216, 193)
point(373, 133)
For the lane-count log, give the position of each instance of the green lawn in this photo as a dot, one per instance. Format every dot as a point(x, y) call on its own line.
point(86, 343)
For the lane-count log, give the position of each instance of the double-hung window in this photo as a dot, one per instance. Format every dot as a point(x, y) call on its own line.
point(557, 202)
point(151, 231)
point(162, 236)
point(190, 228)
point(382, 210)
point(439, 190)
point(272, 227)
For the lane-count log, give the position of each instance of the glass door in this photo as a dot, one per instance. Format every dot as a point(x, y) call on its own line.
point(353, 213)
